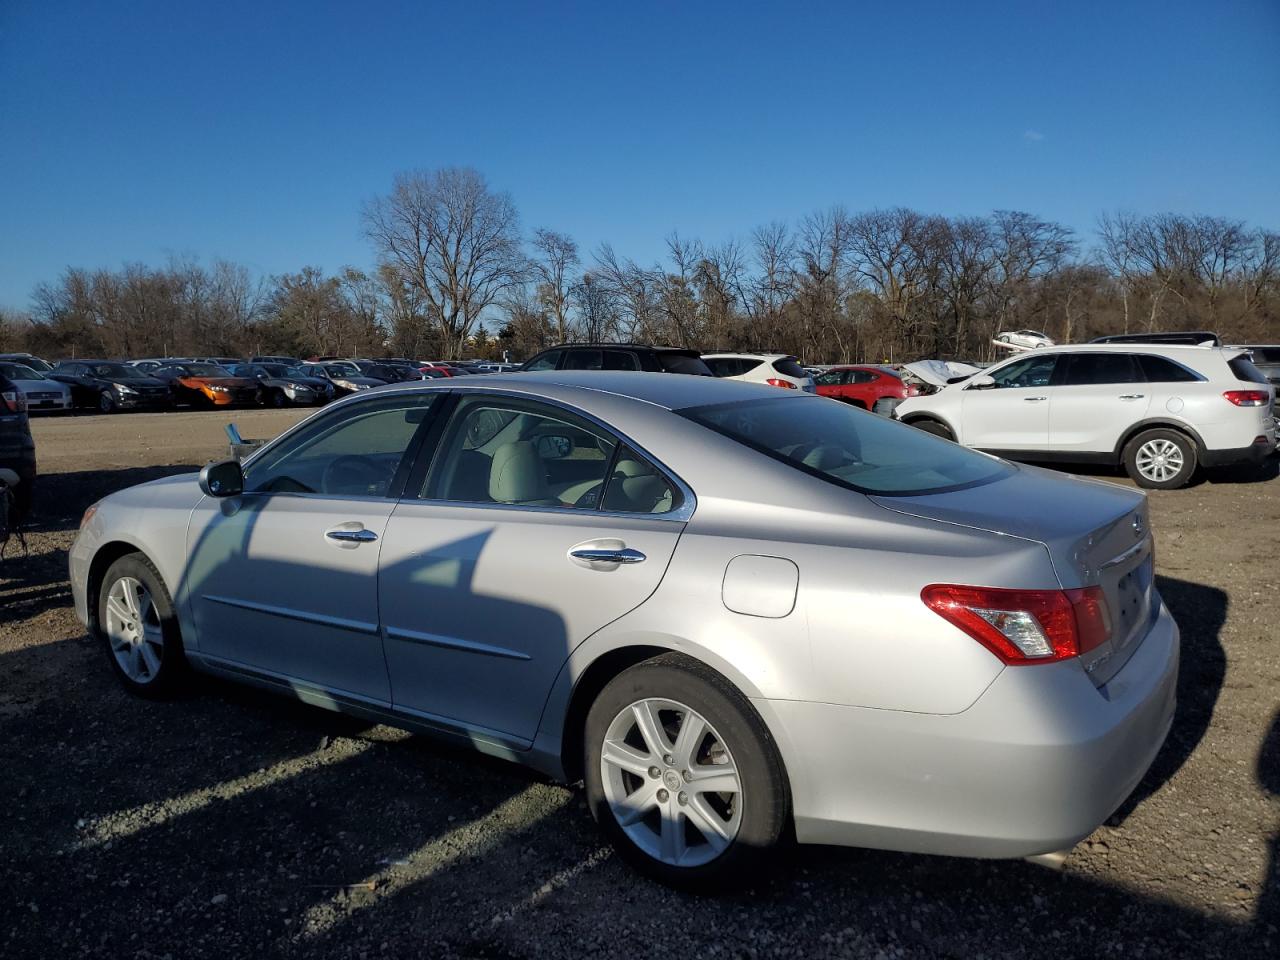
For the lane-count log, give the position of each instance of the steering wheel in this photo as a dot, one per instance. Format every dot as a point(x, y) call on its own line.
point(352, 473)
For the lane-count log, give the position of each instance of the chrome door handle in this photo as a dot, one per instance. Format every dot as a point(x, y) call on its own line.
point(626, 555)
point(352, 536)
point(1033, 399)
point(1132, 396)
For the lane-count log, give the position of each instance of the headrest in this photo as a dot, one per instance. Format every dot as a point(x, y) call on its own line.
point(516, 474)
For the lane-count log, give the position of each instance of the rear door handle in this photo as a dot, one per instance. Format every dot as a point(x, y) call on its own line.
point(1033, 399)
point(351, 536)
point(1132, 396)
point(625, 555)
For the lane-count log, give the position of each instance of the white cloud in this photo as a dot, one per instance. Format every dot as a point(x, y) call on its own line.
point(1035, 136)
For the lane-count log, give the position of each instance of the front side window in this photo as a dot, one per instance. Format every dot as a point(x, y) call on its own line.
point(583, 360)
point(620, 360)
point(1034, 371)
point(356, 452)
point(1089, 369)
point(848, 447)
point(832, 378)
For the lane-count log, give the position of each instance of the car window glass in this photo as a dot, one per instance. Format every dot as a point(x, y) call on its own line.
point(1086, 369)
point(620, 360)
point(16, 371)
point(1163, 370)
point(682, 363)
point(547, 361)
point(637, 486)
point(841, 445)
point(515, 452)
point(1035, 371)
point(1244, 370)
point(831, 378)
point(583, 360)
point(355, 452)
point(789, 367)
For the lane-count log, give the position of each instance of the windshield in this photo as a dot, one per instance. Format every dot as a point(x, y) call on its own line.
point(850, 447)
point(277, 370)
point(115, 371)
point(17, 371)
point(34, 363)
point(341, 372)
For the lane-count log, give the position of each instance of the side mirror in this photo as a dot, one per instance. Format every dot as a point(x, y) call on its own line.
point(981, 382)
point(553, 447)
point(222, 479)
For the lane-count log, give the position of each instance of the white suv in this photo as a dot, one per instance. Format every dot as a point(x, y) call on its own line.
point(1157, 409)
point(775, 369)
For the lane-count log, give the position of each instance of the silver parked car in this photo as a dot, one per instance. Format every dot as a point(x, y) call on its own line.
point(732, 610)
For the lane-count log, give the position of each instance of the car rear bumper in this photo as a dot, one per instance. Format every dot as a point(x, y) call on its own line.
point(1035, 765)
point(1254, 453)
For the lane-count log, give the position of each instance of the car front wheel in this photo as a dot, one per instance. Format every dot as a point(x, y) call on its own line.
point(683, 776)
point(137, 622)
point(1160, 459)
point(107, 402)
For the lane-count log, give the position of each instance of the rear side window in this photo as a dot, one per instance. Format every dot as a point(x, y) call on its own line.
point(1163, 370)
point(683, 363)
point(620, 360)
point(1087, 369)
point(789, 367)
point(1244, 370)
point(848, 447)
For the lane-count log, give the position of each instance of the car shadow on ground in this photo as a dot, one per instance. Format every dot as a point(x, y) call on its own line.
point(1261, 472)
point(61, 498)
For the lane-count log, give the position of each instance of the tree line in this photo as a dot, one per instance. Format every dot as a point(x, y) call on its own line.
point(455, 276)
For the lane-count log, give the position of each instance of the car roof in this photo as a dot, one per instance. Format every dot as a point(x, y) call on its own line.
point(1181, 350)
point(753, 356)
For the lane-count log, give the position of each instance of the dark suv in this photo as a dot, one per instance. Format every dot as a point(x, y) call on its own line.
point(619, 356)
point(17, 449)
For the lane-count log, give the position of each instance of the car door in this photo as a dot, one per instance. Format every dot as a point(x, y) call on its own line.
point(534, 528)
point(1097, 396)
point(1012, 412)
point(282, 581)
point(74, 376)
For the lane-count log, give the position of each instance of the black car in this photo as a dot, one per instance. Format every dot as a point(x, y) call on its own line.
point(282, 385)
point(110, 386)
point(619, 356)
point(339, 374)
point(17, 449)
point(388, 372)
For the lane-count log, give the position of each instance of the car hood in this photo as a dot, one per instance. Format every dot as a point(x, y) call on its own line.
point(219, 381)
point(371, 381)
point(938, 372)
point(149, 383)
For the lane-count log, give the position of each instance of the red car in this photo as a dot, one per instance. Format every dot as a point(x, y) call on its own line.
point(865, 386)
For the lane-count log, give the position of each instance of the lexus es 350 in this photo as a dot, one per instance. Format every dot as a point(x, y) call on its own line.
point(733, 611)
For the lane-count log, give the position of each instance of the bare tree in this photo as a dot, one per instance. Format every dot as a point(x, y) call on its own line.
point(555, 259)
point(454, 240)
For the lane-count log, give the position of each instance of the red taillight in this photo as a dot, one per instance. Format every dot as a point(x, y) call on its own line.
point(15, 401)
point(1248, 398)
point(775, 382)
point(1025, 626)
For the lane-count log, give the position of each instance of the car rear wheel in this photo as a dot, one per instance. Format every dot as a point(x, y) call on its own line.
point(107, 402)
point(936, 427)
point(683, 776)
point(1160, 459)
point(138, 626)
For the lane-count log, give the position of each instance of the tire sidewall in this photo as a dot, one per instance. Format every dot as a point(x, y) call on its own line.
point(1189, 459)
point(173, 664)
point(935, 428)
point(107, 403)
point(765, 799)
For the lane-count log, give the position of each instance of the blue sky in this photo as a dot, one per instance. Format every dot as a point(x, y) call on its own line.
point(255, 131)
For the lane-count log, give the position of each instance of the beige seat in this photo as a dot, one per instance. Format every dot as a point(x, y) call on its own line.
point(516, 475)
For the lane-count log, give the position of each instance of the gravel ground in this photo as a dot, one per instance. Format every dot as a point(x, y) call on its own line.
point(235, 824)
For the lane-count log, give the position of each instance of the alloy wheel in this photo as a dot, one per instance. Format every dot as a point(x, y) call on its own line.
point(1159, 460)
point(133, 630)
point(671, 782)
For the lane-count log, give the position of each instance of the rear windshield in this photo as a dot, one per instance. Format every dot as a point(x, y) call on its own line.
point(1245, 370)
point(683, 363)
point(790, 367)
point(849, 447)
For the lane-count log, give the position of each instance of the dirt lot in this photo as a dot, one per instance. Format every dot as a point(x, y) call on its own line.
point(232, 824)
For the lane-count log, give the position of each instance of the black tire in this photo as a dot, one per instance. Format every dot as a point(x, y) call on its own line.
point(172, 677)
point(278, 399)
point(107, 402)
point(1137, 459)
point(936, 427)
point(764, 796)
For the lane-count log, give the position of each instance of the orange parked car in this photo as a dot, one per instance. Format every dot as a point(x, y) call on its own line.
point(207, 385)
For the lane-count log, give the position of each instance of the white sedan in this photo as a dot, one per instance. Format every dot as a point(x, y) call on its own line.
point(1025, 339)
point(41, 392)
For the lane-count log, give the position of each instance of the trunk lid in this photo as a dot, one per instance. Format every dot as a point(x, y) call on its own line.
point(1097, 533)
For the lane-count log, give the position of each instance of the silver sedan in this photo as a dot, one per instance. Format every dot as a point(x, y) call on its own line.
point(733, 612)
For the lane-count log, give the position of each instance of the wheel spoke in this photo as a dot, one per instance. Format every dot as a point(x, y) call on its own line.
point(673, 843)
point(721, 779)
point(135, 662)
point(128, 593)
point(626, 757)
point(692, 730)
point(646, 717)
point(632, 808)
point(151, 658)
point(117, 609)
point(707, 822)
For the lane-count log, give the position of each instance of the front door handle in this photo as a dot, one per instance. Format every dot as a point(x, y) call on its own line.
point(625, 555)
point(351, 536)
point(1132, 396)
point(1033, 399)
